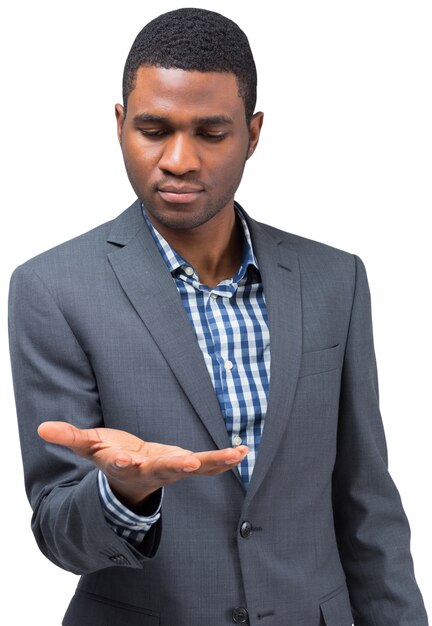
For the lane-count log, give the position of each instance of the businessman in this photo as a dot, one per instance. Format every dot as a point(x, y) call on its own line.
point(196, 391)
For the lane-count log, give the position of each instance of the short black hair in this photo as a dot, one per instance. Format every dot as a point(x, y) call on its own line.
point(194, 39)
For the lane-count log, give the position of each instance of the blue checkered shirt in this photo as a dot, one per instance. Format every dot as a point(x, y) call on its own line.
point(230, 323)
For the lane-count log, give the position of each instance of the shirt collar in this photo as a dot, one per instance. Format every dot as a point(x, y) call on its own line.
point(174, 260)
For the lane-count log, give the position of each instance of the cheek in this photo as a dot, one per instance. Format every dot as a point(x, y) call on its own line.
point(230, 164)
point(134, 151)
point(139, 162)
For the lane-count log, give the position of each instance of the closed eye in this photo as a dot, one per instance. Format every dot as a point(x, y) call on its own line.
point(213, 136)
point(153, 133)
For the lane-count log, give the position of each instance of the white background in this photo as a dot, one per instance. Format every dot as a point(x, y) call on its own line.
point(344, 158)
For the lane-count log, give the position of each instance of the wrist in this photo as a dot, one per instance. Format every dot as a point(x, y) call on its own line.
point(142, 502)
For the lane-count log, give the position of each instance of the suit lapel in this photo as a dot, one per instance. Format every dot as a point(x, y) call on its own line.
point(280, 274)
point(151, 290)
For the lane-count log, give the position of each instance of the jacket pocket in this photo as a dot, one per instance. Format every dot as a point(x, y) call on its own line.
point(88, 609)
point(336, 608)
point(319, 361)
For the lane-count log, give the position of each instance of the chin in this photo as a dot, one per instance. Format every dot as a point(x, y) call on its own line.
point(180, 219)
point(182, 223)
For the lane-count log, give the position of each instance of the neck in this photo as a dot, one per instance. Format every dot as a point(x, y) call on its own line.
point(214, 248)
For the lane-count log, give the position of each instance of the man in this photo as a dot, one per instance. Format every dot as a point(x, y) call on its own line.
point(209, 382)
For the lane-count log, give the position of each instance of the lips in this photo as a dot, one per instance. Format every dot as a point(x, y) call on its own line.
point(179, 194)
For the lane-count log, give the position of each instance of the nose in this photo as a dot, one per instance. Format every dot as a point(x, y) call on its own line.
point(179, 155)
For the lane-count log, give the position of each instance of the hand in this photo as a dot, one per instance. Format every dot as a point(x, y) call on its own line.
point(136, 468)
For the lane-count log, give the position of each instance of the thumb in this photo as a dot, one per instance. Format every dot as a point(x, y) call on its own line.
point(64, 434)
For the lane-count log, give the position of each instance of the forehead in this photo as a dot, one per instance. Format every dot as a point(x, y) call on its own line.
point(168, 91)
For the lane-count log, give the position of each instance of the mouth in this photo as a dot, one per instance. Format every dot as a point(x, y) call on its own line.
point(179, 195)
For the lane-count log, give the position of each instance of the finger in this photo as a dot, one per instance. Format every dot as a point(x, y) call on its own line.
point(228, 456)
point(218, 461)
point(170, 466)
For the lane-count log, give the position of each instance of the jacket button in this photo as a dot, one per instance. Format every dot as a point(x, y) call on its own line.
point(246, 530)
point(240, 615)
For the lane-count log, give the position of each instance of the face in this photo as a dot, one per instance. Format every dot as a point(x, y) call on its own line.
point(185, 141)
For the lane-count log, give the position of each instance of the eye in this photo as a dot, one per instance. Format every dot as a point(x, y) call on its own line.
point(213, 136)
point(153, 133)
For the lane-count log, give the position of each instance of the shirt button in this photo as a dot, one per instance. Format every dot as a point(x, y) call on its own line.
point(213, 295)
point(228, 365)
point(189, 270)
point(240, 615)
point(237, 440)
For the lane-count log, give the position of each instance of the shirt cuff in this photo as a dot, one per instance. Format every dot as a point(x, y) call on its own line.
point(125, 523)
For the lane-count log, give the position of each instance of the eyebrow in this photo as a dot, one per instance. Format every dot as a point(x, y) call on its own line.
point(211, 120)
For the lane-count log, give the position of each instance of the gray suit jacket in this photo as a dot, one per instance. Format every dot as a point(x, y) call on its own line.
point(99, 337)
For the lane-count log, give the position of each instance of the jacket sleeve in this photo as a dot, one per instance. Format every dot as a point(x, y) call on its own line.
point(371, 527)
point(53, 380)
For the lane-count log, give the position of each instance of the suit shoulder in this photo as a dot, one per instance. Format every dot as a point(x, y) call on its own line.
point(80, 264)
point(319, 263)
point(88, 243)
point(89, 250)
point(64, 270)
point(309, 249)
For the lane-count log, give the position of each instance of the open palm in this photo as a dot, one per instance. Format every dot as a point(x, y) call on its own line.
point(136, 468)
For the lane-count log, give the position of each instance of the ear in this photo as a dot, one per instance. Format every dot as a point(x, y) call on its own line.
point(254, 132)
point(120, 116)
